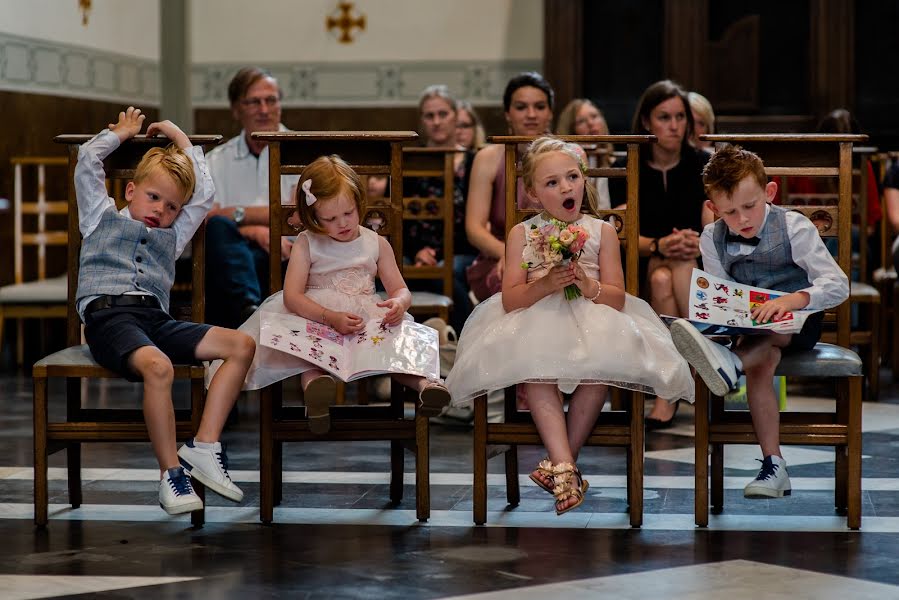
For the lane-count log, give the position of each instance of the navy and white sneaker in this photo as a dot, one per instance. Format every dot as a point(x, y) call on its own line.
point(772, 480)
point(176, 494)
point(718, 366)
point(209, 466)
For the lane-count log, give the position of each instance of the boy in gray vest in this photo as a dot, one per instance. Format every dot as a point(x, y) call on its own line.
point(127, 266)
point(762, 245)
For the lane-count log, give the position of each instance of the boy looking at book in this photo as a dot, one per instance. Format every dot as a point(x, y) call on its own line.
point(759, 244)
point(126, 269)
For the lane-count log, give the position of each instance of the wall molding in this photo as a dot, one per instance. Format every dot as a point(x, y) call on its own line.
point(365, 84)
point(45, 67)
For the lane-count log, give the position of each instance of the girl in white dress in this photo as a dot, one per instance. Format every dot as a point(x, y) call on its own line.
point(531, 333)
point(331, 279)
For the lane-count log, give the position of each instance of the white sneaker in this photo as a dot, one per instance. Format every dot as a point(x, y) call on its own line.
point(209, 466)
point(771, 482)
point(176, 494)
point(713, 362)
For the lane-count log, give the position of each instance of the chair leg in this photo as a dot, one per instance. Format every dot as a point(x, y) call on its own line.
point(20, 343)
point(635, 461)
point(874, 355)
point(479, 459)
point(277, 472)
point(198, 517)
point(41, 493)
point(841, 472)
point(701, 459)
point(422, 468)
point(717, 473)
point(854, 452)
point(513, 491)
point(396, 471)
point(73, 450)
point(266, 449)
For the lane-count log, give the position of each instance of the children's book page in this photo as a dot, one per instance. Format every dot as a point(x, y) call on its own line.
point(720, 306)
point(407, 347)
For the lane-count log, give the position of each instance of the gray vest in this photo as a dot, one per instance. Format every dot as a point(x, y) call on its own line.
point(771, 264)
point(121, 255)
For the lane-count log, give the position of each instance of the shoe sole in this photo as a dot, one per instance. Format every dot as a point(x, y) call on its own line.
point(691, 344)
point(209, 482)
point(433, 401)
point(761, 494)
point(318, 396)
point(182, 508)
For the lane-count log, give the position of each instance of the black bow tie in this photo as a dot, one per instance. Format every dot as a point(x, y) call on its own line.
point(739, 239)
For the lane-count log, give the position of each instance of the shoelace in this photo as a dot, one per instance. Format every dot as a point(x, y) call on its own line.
point(181, 485)
point(769, 470)
point(222, 458)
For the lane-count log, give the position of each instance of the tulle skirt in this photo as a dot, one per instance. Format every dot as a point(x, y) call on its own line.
point(568, 343)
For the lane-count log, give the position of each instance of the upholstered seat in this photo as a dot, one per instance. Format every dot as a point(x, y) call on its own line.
point(421, 299)
point(824, 360)
point(863, 292)
point(35, 292)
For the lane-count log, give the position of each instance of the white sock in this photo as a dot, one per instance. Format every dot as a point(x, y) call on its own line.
point(737, 363)
point(204, 445)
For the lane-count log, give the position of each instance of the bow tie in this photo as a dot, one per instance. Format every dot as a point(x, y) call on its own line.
point(739, 239)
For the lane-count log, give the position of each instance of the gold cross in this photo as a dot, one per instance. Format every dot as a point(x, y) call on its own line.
point(342, 19)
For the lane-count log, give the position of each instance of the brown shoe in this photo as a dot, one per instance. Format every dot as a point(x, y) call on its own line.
point(433, 399)
point(318, 396)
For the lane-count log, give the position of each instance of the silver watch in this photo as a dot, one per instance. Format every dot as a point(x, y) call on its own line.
point(238, 215)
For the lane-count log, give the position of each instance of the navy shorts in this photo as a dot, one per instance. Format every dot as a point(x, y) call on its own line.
point(808, 336)
point(112, 334)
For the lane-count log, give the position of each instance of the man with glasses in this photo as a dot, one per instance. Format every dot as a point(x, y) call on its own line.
point(237, 233)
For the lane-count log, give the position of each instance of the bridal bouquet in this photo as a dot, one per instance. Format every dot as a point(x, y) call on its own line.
point(555, 243)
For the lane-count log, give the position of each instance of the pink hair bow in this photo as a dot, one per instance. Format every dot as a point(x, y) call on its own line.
point(310, 197)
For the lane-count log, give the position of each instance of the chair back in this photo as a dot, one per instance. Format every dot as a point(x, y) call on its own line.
point(43, 234)
point(120, 167)
point(419, 162)
point(367, 152)
point(626, 220)
point(812, 155)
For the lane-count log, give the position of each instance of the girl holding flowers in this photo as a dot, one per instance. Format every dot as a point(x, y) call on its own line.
point(563, 322)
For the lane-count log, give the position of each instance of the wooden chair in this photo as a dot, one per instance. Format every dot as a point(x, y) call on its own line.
point(40, 297)
point(369, 153)
point(83, 425)
point(884, 276)
point(616, 428)
point(431, 162)
point(815, 155)
point(866, 334)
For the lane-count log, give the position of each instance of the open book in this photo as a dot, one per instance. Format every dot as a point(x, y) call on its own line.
point(407, 347)
point(722, 307)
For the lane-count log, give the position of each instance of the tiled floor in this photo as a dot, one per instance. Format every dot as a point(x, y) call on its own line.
point(336, 535)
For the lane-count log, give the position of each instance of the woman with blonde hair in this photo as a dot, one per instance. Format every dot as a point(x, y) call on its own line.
point(582, 117)
point(703, 120)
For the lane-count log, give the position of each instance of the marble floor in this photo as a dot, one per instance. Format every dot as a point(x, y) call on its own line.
point(336, 534)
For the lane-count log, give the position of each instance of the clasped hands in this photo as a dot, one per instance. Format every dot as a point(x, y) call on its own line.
point(561, 276)
point(680, 244)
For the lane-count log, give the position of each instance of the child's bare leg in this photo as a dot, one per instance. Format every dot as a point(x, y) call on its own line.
point(432, 395)
point(159, 414)
point(236, 349)
point(661, 289)
point(681, 273)
point(583, 410)
point(549, 416)
point(760, 356)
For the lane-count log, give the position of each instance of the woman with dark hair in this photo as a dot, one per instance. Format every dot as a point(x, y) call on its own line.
point(671, 207)
point(528, 105)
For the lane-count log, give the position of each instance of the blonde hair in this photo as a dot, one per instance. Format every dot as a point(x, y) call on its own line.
point(330, 176)
point(568, 118)
point(702, 107)
point(549, 144)
point(480, 136)
point(174, 162)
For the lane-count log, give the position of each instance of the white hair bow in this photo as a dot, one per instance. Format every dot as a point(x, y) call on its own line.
point(310, 197)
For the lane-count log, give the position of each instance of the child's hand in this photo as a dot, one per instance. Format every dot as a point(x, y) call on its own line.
point(583, 281)
point(560, 276)
point(130, 122)
point(395, 310)
point(772, 310)
point(344, 322)
point(171, 131)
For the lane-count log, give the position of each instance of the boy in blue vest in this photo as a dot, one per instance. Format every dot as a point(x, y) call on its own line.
point(127, 266)
point(762, 245)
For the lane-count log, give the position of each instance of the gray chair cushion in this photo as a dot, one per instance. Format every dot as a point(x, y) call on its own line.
point(863, 290)
point(47, 291)
point(882, 274)
point(73, 356)
point(422, 299)
point(824, 360)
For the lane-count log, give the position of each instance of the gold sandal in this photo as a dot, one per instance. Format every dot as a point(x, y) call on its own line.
point(544, 469)
point(564, 475)
point(433, 398)
point(318, 396)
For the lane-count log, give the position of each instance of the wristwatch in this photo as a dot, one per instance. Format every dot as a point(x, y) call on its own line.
point(238, 215)
point(654, 247)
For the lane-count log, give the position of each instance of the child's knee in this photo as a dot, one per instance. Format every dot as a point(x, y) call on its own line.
point(770, 358)
point(156, 368)
point(244, 346)
point(661, 282)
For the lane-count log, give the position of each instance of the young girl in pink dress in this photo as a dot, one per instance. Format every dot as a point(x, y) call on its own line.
point(331, 279)
point(531, 333)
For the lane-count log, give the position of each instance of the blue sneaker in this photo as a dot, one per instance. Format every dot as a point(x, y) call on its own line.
point(176, 494)
point(772, 480)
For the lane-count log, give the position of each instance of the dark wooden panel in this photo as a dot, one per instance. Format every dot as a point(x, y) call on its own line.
point(563, 34)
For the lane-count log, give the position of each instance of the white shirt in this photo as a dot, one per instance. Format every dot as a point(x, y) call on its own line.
point(93, 200)
point(829, 285)
point(241, 179)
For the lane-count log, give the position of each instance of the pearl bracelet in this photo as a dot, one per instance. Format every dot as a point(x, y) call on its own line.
point(596, 295)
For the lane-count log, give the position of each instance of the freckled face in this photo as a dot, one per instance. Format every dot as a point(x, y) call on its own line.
point(338, 217)
point(155, 201)
point(559, 186)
